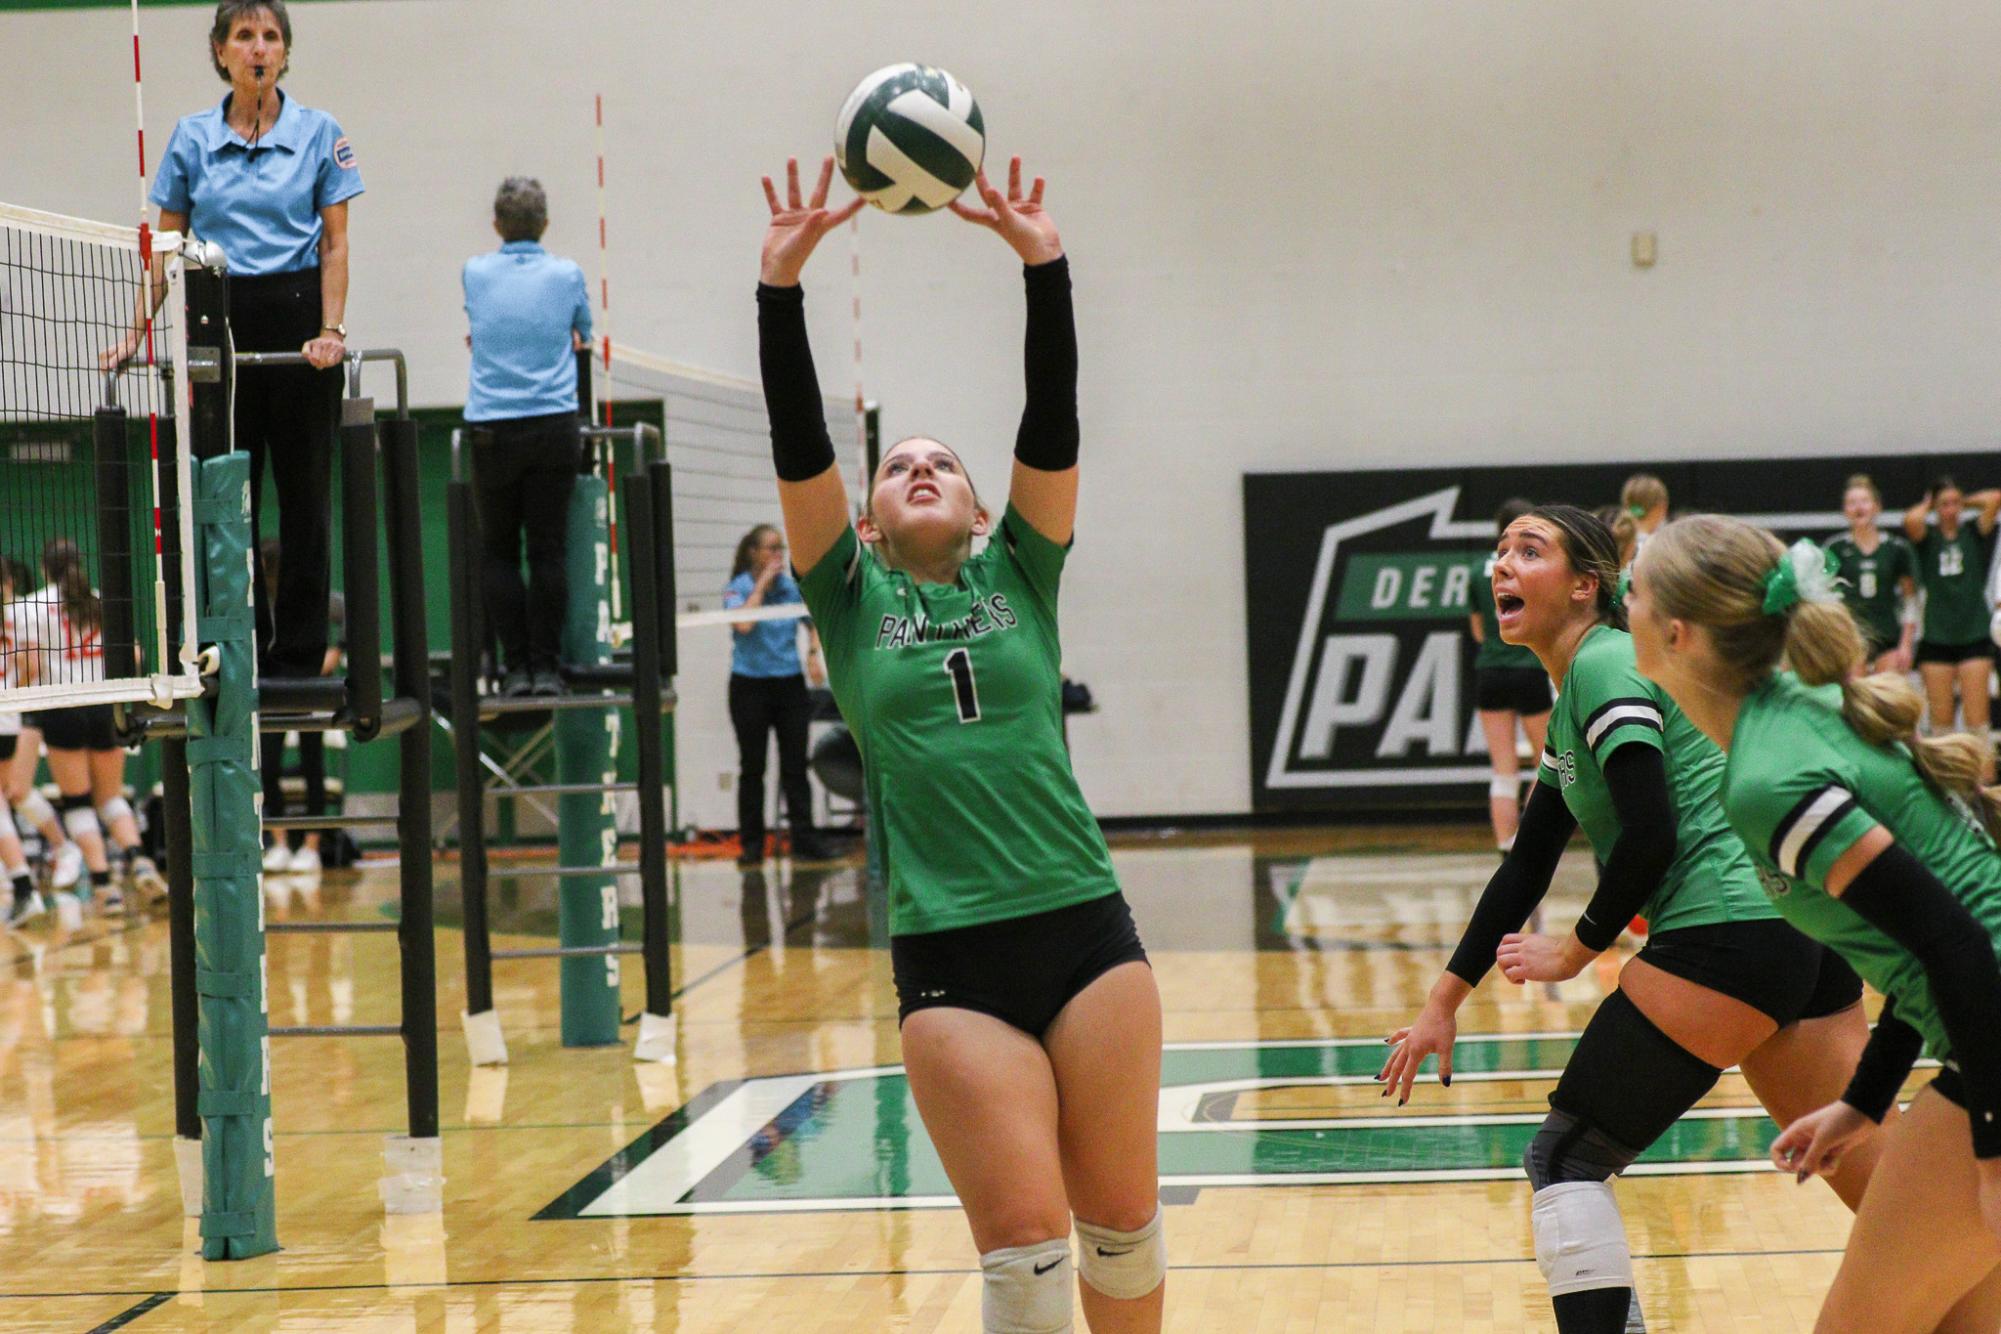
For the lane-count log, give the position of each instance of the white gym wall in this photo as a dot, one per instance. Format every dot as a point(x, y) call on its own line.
point(1309, 235)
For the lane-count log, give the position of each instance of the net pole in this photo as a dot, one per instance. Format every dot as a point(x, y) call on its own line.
point(855, 320)
point(604, 331)
point(152, 397)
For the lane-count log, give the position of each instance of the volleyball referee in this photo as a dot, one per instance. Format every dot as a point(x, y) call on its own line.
point(268, 180)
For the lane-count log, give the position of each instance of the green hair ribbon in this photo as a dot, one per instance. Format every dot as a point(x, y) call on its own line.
point(1805, 573)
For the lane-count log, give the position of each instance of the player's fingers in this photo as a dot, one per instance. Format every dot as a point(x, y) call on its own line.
point(1809, 1163)
point(1445, 1067)
point(1035, 195)
point(792, 183)
point(1410, 1069)
point(826, 179)
point(979, 215)
point(771, 197)
point(1014, 179)
point(1397, 1037)
point(1390, 1064)
point(841, 215)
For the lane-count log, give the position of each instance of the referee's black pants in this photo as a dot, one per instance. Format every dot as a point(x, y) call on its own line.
point(287, 416)
point(759, 706)
point(524, 469)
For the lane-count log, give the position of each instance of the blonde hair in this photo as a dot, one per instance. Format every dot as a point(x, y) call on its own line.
point(1625, 531)
point(1710, 571)
point(1643, 491)
point(1867, 483)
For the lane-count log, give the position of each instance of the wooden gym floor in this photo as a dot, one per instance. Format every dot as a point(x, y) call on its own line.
point(777, 1177)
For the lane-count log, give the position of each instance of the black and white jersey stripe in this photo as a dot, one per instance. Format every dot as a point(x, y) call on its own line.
point(1633, 711)
point(1805, 825)
point(1549, 760)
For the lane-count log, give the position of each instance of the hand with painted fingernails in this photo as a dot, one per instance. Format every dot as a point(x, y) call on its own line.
point(1017, 218)
point(1813, 1144)
point(797, 224)
point(1431, 1034)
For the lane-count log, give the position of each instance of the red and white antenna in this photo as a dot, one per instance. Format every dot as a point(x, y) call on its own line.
point(146, 306)
point(604, 335)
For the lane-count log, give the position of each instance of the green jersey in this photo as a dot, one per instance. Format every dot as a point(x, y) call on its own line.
point(1953, 572)
point(1801, 788)
point(954, 695)
point(1605, 703)
point(1869, 584)
point(1494, 651)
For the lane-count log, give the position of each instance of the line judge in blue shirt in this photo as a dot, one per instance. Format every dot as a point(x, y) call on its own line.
point(529, 312)
point(268, 181)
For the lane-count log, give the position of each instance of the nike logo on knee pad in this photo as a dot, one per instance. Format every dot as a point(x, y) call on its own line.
point(1040, 1270)
point(1109, 1254)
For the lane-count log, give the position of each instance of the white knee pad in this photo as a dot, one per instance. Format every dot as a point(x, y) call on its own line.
point(36, 809)
point(1505, 785)
point(114, 810)
point(81, 822)
point(1580, 1240)
point(1026, 1289)
point(1122, 1265)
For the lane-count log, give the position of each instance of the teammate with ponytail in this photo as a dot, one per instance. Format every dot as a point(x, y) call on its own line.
point(1722, 981)
point(1879, 843)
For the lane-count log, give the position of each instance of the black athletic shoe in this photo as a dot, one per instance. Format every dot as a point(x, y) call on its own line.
point(811, 849)
point(547, 681)
point(516, 683)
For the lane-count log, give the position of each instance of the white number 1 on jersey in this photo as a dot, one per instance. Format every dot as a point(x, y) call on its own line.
point(959, 666)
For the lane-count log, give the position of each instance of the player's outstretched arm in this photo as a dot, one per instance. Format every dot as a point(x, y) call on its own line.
point(1044, 485)
point(810, 493)
point(1916, 517)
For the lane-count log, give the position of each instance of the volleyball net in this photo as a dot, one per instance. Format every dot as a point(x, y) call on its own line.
point(718, 441)
point(93, 456)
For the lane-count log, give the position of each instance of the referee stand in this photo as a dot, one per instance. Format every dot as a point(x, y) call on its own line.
point(586, 723)
point(212, 798)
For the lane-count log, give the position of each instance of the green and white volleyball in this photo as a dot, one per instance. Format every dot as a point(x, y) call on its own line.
point(909, 138)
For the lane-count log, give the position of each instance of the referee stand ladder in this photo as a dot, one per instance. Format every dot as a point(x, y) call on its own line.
point(378, 491)
point(633, 680)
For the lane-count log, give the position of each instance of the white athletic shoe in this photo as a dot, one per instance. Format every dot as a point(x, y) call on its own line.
point(28, 909)
point(147, 881)
point(304, 861)
point(68, 867)
point(111, 899)
point(277, 858)
point(69, 911)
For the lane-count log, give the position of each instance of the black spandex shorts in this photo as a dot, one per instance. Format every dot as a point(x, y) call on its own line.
point(1022, 971)
point(1951, 654)
point(86, 728)
point(1523, 690)
point(1767, 965)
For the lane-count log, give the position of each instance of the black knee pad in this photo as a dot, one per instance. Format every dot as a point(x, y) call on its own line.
point(80, 802)
point(1627, 1080)
point(1567, 1149)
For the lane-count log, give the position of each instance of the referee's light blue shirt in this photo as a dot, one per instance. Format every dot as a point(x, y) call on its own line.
point(260, 204)
point(523, 302)
point(768, 648)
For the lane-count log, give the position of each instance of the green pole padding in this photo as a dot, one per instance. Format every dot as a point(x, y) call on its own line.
point(238, 1208)
point(587, 752)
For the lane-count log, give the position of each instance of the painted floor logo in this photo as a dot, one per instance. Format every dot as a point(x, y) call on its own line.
point(1231, 1114)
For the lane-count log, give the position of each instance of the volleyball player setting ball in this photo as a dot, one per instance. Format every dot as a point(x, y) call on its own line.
point(1722, 982)
point(1030, 1022)
point(1881, 844)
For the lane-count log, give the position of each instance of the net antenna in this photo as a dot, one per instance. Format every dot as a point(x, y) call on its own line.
point(604, 333)
point(146, 308)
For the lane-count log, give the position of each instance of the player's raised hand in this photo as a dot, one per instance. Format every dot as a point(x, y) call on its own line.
point(1018, 218)
point(797, 223)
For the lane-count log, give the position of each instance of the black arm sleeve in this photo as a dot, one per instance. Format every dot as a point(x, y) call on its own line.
point(1518, 886)
point(1885, 1065)
point(799, 444)
point(1048, 436)
point(1637, 778)
point(1899, 897)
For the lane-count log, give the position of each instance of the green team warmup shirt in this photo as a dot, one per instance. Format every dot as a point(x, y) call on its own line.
point(954, 695)
point(1953, 571)
point(1495, 652)
point(1801, 788)
point(1604, 704)
point(1869, 583)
